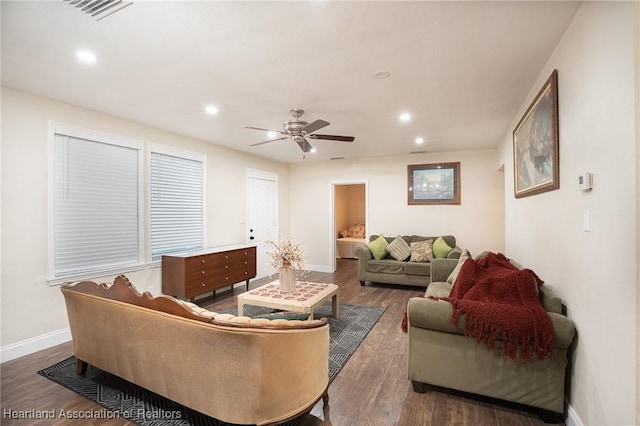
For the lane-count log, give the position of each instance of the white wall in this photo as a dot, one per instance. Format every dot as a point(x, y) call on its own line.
point(30, 307)
point(477, 224)
point(593, 272)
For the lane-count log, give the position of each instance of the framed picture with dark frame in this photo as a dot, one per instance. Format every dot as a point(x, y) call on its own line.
point(437, 183)
point(535, 144)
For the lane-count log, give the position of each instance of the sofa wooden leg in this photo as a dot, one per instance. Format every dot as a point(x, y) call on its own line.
point(419, 387)
point(325, 399)
point(81, 367)
point(362, 283)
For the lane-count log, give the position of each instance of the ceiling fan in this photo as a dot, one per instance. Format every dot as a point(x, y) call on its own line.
point(299, 131)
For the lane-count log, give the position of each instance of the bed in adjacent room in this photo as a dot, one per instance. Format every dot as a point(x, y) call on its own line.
point(351, 237)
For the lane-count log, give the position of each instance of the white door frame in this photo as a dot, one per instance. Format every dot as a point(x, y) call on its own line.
point(332, 203)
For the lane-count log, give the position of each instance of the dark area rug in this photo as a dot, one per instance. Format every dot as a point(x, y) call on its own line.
point(124, 400)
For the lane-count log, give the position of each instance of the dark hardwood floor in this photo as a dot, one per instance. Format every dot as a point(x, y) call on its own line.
point(372, 389)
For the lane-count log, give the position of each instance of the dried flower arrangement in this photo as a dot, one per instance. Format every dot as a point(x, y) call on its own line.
point(285, 253)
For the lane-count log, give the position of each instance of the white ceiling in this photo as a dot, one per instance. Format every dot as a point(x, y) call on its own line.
point(462, 69)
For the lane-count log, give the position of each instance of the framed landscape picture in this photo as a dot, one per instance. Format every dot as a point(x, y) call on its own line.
point(437, 183)
point(535, 144)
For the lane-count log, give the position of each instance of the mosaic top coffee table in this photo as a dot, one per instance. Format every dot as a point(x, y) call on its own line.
point(307, 297)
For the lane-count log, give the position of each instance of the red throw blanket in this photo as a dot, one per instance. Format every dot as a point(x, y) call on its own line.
point(501, 301)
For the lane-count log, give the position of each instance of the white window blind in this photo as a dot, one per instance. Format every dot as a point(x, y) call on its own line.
point(177, 207)
point(95, 206)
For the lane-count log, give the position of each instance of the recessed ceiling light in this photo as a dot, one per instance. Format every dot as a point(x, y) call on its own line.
point(211, 109)
point(272, 134)
point(313, 150)
point(86, 56)
point(382, 74)
point(405, 117)
point(419, 141)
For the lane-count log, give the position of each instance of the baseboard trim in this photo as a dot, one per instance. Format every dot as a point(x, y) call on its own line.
point(572, 417)
point(319, 268)
point(35, 344)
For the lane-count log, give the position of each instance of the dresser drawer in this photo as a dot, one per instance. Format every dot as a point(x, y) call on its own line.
point(206, 271)
point(238, 255)
point(202, 262)
point(199, 286)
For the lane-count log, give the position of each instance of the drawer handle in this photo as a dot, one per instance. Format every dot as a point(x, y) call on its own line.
point(246, 273)
point(203, 261)
point(202, 284)
point(226, 257)
point(226, 278)
point(203, 272)
point(226, 267)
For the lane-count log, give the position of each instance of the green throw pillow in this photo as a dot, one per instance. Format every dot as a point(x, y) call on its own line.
point(440, 248)
point(378, 247)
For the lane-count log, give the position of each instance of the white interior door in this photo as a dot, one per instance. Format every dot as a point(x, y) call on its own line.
point(262, 216)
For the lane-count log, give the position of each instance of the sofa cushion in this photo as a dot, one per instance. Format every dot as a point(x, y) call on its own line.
point(421, 251)
point(440, 248)
point(454, 274)
point(389, 266)
point(437, 290)
point(378, 247)
point(399, 249)
point(449, 239)
point(417, 268)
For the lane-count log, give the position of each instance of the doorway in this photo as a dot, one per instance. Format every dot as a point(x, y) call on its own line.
point(262, 214)
point(350, 218)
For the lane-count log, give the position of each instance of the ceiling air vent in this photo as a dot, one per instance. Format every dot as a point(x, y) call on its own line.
point(418, 152)
point(336, 158)
point(99, 9)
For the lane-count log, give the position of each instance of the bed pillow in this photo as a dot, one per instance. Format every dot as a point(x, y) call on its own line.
point(421, 251)
point(378, 247)
point(399, 249)
point(440, 248)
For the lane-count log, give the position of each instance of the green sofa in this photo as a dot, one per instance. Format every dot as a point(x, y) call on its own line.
point(440, 354)
point(391, 271)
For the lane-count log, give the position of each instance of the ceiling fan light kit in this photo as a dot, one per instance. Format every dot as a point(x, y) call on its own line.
point(298, 131)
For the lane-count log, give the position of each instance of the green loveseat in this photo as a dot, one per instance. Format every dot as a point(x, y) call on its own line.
point(391, 271)
point(440, 354)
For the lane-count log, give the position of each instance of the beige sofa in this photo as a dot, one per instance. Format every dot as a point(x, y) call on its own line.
point(235, 369)
point(440, 354)
point(391, 271)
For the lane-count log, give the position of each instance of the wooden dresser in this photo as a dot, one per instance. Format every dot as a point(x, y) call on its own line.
point(187, 275)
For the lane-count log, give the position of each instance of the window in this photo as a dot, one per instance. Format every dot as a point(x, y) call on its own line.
point(177, 202)
point(95, 206)
point(97, 212)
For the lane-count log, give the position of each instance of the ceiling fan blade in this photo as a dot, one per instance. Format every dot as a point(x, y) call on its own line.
point(316, 125)
point(304, 144)
point(332, 138)
point(272, 140)
point(266, 130)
